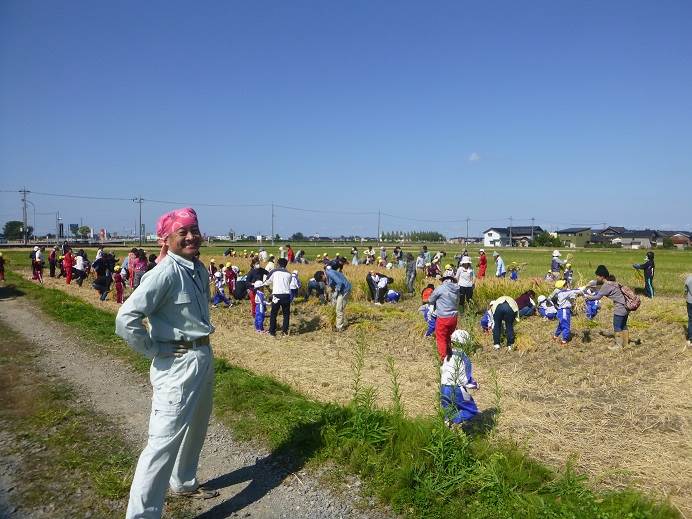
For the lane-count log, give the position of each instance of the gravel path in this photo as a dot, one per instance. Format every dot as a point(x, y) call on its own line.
point(252, 483)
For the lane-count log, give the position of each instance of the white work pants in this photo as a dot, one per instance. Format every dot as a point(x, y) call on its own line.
point(180, 410)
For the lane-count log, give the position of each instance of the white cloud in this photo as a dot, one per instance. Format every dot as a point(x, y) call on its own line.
point(474, 157)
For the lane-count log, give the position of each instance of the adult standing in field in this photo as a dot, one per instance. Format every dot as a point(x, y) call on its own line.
point(426, 254)
point(341, 289)
point(611, 289)
point(290, 255)
point(79, 267)
point(445, 298)
point(556, 264)
point(648, 267)
point(140, 267)
point(280, 280)
point(504, 310)
point(420, 262)
point(52, 261)
point(466, 280)
point(500, 270)
point(482, 263)
point(354, 255)
point(399, 255)
point(174, 297)
point(68, 264)
point(411, 265)
point(688, 297)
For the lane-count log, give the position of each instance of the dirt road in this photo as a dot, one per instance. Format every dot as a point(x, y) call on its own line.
point(252, 483)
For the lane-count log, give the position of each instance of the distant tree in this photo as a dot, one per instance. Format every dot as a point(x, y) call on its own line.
point(297, 236)
point(668, 243)
point(545, 239)
point(83, 231)
point(13, 230)
point(426, 236)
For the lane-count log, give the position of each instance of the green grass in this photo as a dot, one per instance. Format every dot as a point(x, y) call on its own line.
point(63, 446)
point(419, 466)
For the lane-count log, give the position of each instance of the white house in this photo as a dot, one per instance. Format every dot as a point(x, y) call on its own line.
point(521, 236)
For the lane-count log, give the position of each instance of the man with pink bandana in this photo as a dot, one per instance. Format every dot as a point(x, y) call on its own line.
point(174, 297)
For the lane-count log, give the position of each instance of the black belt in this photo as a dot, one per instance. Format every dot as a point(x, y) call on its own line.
point(202, 341)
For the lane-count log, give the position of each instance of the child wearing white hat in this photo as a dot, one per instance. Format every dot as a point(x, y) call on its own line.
point(219, 296)
point(456, 379)
point(546, 308)
point(260, 306)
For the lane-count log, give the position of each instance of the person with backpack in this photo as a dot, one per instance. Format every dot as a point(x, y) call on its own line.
point(621, 306)
point(648, 268)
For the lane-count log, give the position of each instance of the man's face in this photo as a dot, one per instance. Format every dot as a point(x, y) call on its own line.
point(185, 242)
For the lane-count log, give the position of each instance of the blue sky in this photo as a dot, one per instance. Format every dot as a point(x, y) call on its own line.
point(569, 112)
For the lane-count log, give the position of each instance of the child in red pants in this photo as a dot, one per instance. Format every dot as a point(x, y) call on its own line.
point(119, 284)
point(446, 301)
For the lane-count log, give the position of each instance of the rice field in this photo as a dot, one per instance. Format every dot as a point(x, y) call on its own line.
point(622, 418)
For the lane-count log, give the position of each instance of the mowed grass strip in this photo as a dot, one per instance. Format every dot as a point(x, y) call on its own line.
point(418, 466)
point(71, 460)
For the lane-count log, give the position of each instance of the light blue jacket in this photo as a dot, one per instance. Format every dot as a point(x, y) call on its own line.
point(174, 297)
point(338, 281)
point(500, 266)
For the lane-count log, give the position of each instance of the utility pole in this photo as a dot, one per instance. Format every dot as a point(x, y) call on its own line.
point(467, 231)
point(139, 201)
point(272, 223)
point(510, 231)
point(57, 227)
point(25, 230)
point(379, 219)
point(532, 226)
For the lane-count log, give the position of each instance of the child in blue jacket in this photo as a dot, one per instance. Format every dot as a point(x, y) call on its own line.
point(260, 306)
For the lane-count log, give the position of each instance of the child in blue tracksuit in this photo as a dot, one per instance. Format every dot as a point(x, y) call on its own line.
point(592, 306)
point(488, 321)
point(456, 378)
point(430, 317)
point(219, 296)
point(564, 297)
point(294, 285)
point(260, 306)
point(546, 308)
point(428, 310)
point(513, 272)
point(392, 296)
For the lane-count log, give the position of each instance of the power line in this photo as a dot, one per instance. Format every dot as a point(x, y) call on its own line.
point(170, 202)
point(326, 211)
point(84, 197)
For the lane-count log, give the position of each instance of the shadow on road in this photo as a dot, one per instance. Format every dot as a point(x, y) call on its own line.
point(267, 473)
point(10, 292)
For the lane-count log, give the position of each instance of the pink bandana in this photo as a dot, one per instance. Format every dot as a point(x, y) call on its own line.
point(170, 223)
